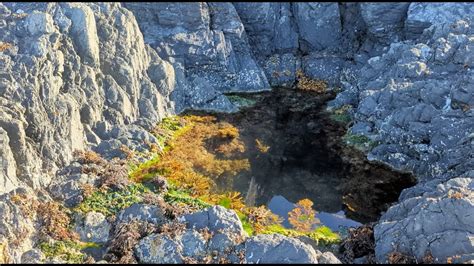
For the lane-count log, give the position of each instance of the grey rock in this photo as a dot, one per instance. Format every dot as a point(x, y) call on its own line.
point(93, 228)
point(414, 223)
point(328, 258)
point(194, 245)
point(216, 218)
point(142, 212)
point(384, 21)
point(158, 249)
point(422, 15)
point(221, 242)
point(319, 25)
point(33, 256)
point(276, 248)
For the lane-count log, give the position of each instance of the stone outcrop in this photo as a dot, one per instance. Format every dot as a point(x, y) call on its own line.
point(76, 76)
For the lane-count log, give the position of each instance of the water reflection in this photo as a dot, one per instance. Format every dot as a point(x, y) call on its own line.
point(336, 221)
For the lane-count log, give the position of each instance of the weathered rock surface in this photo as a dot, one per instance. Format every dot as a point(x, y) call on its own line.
point(100, 75)
point(415, 102)
point(93, 228)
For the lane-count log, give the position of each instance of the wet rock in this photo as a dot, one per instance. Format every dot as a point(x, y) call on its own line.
point(278, 249)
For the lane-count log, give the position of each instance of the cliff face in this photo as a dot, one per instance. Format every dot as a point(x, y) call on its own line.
point(78, 76)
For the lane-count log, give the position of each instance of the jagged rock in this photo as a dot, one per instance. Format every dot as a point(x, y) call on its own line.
point(93, 228)
point(141, 212)
point(319, 25)
point(422, 15)
point(16, 226)
point(384, 21)
point(276, 248)
point(412, 226)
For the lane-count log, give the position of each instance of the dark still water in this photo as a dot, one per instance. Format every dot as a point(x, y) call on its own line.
point(336, 221)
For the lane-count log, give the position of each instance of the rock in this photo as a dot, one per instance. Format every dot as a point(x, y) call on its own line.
point(94, 228)
point(422, 15)
point(413, 223)
point(39, 23)
point(221, 242)
point(84, 32)
point(384, 21)
point(276, 248)
point(194, 245)
point(319, 25)
point(33, 256)
point(216, 218)
point(158, 249)
point(15, 224)
point(142, 212)
point(328, 258)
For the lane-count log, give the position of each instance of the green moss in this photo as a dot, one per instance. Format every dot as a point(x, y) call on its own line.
point(245, 224)
point(174, 196)
point(111, 202)
point(66, 251)
point(360, 142)
point(241, 101)
point(343, 118)
point(322, 235)
point(342, 115)
point(142, 171)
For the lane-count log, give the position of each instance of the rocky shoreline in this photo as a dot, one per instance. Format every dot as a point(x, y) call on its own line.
point(78, 76)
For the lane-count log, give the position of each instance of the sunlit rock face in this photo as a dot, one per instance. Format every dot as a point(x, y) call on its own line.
point(76, 76)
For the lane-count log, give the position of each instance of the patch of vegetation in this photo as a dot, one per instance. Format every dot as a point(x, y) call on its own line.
point(174, 196)
point(360, 142)
point(241, 101)
point(5, 46)
point(305, 83)
point(261, 146)
point(200, 151)
point(67, 251)
point(303, 217)
point(322, 235)
point(56, 221)
point(110, 202)
point(342, 115)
